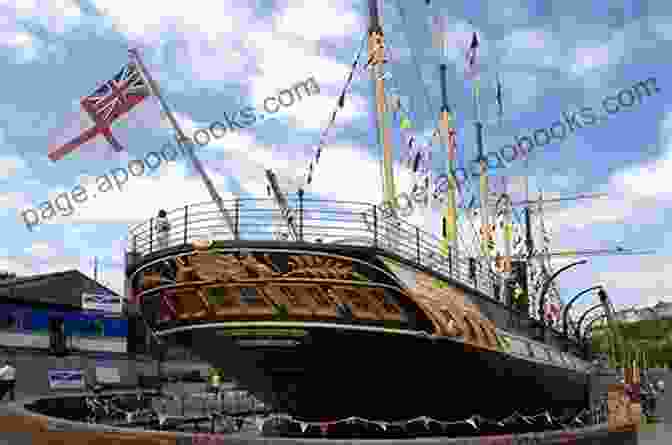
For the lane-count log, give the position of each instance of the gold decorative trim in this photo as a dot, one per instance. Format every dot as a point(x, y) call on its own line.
point(210, 286)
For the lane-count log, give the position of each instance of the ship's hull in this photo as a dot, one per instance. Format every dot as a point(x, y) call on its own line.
point(338, 372)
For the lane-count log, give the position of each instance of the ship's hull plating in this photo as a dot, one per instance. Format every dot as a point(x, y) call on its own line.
point(340, 372)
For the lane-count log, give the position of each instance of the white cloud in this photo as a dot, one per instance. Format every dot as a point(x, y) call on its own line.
point(10, 166)
point(300, 16)
point(55, 15)
point(13, 200)
point(168, 190)
point(533, 47)
point(588, 58)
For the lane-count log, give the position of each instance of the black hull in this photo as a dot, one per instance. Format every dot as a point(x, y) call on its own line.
point(337, 373)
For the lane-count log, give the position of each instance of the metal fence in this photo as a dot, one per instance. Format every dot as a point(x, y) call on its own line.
point(317, 221)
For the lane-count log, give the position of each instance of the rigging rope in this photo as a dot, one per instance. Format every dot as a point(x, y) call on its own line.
point(308, 177)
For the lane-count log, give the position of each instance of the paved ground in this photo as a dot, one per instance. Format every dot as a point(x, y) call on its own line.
point(659, 434)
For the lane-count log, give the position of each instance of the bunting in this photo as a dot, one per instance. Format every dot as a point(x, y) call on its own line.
point(471, 70)
point(478, 424)
point(500, 107)
point(332, 118)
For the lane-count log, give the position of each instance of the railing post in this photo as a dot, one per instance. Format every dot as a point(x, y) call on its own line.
point(375, 226)
point(301, 214)
point(237, 219)
point(450, 261)
point(151, 233)
point(185, 224)
point(417, 242)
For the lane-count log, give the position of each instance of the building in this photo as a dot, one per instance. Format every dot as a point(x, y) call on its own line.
point(67, 321)
point(660, 311)
point(41, 310)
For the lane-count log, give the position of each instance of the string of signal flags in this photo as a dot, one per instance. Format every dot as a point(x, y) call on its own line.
point(475, 425)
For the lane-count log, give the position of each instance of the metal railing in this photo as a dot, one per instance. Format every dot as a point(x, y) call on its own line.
point(318, 221)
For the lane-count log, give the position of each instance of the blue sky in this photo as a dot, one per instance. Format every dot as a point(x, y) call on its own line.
point(215, 56)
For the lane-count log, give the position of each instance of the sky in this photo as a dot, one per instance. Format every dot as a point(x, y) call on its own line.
point(212, 57)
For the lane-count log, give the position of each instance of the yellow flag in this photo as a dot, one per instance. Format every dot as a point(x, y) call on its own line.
point(451, 214)
point(444, 247)
point(405, 123)
point(508, 232)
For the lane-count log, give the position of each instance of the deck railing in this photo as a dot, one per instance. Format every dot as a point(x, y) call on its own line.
point(329, 222)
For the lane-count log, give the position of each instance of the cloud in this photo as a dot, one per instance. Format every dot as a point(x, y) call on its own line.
point(10, 166)
point(532, 47)
point(635, 193)
point(167, 189)
point(640, 282)
point(299, 17)
point(57, 16)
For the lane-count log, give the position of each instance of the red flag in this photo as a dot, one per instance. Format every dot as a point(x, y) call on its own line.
point(101, 109)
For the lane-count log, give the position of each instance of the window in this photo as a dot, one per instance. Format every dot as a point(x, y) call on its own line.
point(519, 347)
point(248, 295)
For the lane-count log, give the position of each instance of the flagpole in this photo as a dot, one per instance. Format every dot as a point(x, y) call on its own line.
point(184, 142)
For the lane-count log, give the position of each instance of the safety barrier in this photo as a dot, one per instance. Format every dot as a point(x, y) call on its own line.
point(315, 221)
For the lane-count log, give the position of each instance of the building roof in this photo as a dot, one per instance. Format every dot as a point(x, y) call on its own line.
point(662, 310)
point(61, 288)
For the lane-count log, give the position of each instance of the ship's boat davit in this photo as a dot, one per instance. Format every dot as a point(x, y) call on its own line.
point(322, 331)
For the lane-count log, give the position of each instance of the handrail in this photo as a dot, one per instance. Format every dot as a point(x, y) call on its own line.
point(329, 222)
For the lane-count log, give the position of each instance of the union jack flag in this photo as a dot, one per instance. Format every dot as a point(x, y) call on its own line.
point(108, 103)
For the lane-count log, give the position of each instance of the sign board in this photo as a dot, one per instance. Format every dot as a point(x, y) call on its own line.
point(66, 378)
point(98, 344)
point(24, 340)
point(102, 302)
point(106, 374)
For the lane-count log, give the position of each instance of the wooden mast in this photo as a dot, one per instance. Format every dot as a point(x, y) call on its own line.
point(448, 139)
point(376, 60)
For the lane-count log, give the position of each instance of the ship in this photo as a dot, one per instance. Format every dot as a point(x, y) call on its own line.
point(353, 311)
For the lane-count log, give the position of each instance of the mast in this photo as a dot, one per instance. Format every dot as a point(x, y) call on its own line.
point(448, 138)
point(281, 200)
point(184, 141)
point(376, 60)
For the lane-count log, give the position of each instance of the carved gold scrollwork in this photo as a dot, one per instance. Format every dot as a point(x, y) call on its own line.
point(186, 305)
point(389, 311)
point(312, 266)
point(296, 298)
point(325, 302)
point(359, 302)
point(150, 280)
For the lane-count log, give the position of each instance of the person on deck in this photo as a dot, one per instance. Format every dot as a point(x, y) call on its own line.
point(162, 229)
point(7, 380)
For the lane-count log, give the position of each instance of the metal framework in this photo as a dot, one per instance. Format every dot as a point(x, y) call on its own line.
point(547, 285)
point(583, 317)
point(565, 312)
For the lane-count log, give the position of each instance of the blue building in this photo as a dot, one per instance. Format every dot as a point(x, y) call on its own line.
point(61, 311)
